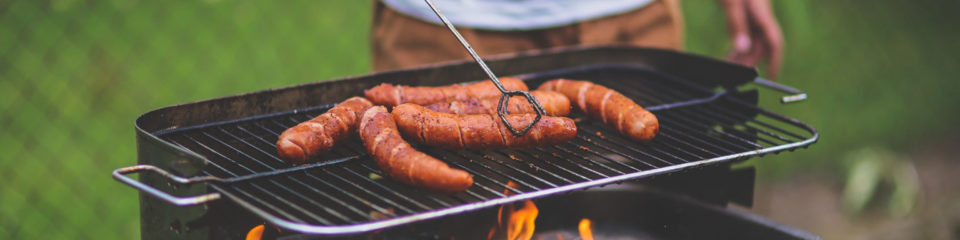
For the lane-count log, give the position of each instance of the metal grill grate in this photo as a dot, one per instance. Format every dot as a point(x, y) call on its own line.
point(346, 194)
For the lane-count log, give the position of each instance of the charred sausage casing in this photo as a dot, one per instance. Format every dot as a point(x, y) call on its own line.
point(391, 96)
point(479, 131)
point(401, 162)
point(553, 103)
point(609, 106)
point(317, 136)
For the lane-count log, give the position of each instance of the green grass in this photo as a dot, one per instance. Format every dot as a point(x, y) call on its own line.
point(75, 74)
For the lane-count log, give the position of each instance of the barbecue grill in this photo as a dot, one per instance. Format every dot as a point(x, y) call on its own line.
point(192, 156)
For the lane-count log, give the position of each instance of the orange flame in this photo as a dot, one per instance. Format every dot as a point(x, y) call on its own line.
point(255, 233)
point(506, 192)
point(519, 223)
point(586, 229)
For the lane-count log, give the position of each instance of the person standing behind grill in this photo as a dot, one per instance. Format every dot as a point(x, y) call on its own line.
point(408, 33)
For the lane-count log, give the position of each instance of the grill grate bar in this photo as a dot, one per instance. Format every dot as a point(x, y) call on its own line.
point(487, 167)
point(676, 151)
point(298, 207)
point(364, 201)
point(679, 95)
point(659, 148)
point(275, 159)
point(476, 182)
point(728, 120)
point(359, 199)
point(711, 129)
point(379, 196)
point(686, 132)
point(669, 134)
point(556, 157)
point(705, 140)
point(295, 193)
point(654, 146)
point(512, 160)
point(489, 156)
point(372, 193)
point(788, 133)
point(619, 142)
point(388, 190)
point(589, 147)
point(355, 147)
point(375, 207)
point(661, 96)
point(645, 93)
point(619, 153)
point(690, 131)
point(585, 150)
point(512, 156)
point(761, 123)
point(220, 156)
point(338, 201)
point(257, 186)
point(550, 164)
point(732, 132)
point(309, 187)
point(355, 198)
point(211, 163)
point(664, 91)
point(238, 151)
point(591, 161)
point(272, 207)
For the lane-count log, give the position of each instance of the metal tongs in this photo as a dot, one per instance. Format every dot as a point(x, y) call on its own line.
point(505, 95)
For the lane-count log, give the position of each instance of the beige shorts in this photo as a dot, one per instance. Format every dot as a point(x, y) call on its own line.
point(400, 41)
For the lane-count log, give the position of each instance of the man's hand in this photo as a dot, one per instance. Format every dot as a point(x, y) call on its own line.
point(755, 33)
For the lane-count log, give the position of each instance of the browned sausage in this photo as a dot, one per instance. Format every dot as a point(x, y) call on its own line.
point(401, 162)
point(318, 135)
point(479, 131)
point(609, 106)
point(553, 103)
point(391, 96)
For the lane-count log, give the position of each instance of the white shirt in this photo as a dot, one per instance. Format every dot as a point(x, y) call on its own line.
point(514, 15)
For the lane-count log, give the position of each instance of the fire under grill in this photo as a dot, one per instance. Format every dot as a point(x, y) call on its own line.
point(346, 193)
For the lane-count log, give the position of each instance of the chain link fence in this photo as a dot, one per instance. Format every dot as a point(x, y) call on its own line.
point(75, 74)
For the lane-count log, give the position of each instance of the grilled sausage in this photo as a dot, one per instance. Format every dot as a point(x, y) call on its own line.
point(609, 106)
point(391, 96)
point(553, 103)
point(401, 162)
point(317, 136)
point(479, 131)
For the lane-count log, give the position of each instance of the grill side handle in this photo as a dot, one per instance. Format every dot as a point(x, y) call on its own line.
point(797, 94)
point(120, 175)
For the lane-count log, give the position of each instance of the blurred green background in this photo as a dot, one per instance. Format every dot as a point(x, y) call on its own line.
point(75, 74)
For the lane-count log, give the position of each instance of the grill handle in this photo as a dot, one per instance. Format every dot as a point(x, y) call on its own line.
point(797, 94)
point(121, 175)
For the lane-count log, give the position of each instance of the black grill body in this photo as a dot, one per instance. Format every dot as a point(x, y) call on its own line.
point(705, 123)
